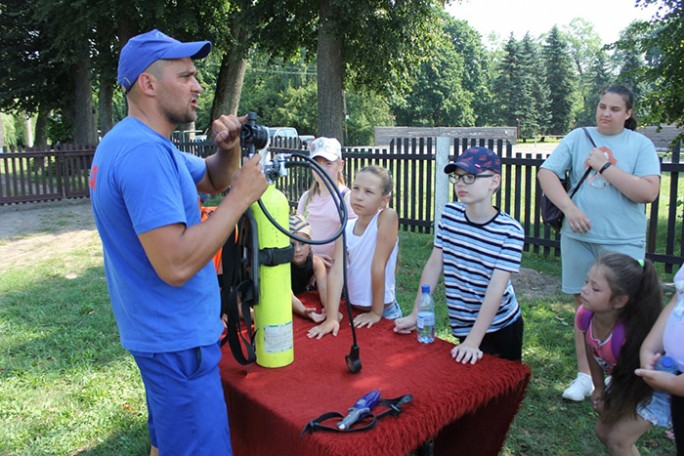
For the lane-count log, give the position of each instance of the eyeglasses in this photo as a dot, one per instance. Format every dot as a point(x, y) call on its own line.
point(467, 178)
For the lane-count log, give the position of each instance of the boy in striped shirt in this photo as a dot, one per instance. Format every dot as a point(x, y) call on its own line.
point(477, 248)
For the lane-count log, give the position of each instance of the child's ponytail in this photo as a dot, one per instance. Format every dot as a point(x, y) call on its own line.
point(638, 280)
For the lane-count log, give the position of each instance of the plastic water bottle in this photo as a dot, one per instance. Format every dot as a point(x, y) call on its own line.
point(666, 364)
point(426, 317)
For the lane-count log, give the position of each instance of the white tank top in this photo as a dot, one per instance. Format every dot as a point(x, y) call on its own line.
point(360, 251)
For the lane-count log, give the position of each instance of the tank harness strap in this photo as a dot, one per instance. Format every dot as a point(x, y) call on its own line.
point(238, 289)
point(274, 256)
point(234, 333)
point(365, 423)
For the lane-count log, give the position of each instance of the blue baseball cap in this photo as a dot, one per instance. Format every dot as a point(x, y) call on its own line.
point(143, 50)
point(476, 160)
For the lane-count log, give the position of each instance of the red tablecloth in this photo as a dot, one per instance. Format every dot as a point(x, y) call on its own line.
point(467, 409)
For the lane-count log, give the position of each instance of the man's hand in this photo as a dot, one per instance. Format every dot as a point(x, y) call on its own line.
point(249, 182)
point(366, 319)
point(226, 130)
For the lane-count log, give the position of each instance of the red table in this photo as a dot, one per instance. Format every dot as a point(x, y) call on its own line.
point(466, 409)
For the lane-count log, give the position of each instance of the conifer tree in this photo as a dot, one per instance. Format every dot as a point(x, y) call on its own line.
point(562, 81)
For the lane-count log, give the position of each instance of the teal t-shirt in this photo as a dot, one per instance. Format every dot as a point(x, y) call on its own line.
point(614, 218)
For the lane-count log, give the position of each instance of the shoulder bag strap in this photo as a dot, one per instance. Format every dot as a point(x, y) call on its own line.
point(586, 173)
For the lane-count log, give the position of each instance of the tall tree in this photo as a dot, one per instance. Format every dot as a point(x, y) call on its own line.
point(599, 77)
point(532, 64)
point(634, 61)
point(513, 90)
point(282, 92)
point(265, 25)
point(561, 79)
point(376, 45)
point(475, 77)
point(667, 73)
point(584, 43)
point(438, 96)
point(33, 79)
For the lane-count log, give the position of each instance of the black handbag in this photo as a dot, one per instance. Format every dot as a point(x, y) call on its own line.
point(550, 213)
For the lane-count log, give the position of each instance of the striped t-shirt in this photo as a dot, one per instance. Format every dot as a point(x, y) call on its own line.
point(470, 253)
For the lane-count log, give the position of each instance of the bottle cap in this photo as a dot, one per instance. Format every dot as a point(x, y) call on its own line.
point(425, 288)
point(667, 361)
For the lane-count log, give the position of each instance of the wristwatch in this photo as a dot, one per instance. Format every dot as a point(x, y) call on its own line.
point(604, 167)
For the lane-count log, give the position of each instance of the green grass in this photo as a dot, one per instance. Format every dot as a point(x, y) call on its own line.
point(68, 388)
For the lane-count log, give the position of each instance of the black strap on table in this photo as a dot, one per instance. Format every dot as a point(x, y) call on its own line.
point(365, 423)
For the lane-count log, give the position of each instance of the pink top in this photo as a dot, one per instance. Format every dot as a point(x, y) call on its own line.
point(673, 337)
point(604, 351)
point(321, 213)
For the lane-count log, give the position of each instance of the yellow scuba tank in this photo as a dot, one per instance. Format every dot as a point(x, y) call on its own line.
point(273, 313)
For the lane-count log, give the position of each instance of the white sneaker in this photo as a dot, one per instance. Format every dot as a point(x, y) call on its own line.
point(580, 388)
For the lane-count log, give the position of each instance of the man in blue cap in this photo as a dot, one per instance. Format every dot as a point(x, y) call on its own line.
point(477, 247)
point(157, 254)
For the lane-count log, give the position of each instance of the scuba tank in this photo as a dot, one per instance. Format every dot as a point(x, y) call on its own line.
point(273, 312)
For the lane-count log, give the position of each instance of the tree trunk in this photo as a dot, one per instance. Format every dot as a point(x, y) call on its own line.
point(2, 134)
point(106, 115)
point(84, 112)
point(230, 79)
point(330, 62)
point(41, 128)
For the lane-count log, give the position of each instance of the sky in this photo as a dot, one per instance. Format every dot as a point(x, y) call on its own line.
point(609, 17)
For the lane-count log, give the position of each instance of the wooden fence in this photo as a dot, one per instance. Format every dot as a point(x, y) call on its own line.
point(418, 179)
point(31, 175)
point(416, 166)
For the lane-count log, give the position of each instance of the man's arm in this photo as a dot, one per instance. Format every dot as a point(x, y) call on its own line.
point(177, 251)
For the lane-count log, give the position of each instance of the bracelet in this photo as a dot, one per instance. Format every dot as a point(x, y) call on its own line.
point(604, 167)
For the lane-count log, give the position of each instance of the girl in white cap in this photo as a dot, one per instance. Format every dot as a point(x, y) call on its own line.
point(317, 205)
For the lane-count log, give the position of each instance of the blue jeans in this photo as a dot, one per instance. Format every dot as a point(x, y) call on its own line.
point(658, 410)
point(392, 311)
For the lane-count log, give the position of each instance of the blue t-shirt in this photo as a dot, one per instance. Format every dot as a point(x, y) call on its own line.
point(140, 181)
point(615, 219)
point(470, 254)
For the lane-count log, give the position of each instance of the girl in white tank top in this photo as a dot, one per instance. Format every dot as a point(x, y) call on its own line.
point(372, 246)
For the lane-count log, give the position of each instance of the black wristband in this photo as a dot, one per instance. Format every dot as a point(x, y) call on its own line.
point(604, 167)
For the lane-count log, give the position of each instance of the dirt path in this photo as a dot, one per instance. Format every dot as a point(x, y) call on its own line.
point(45, 229)
point(52, 229)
